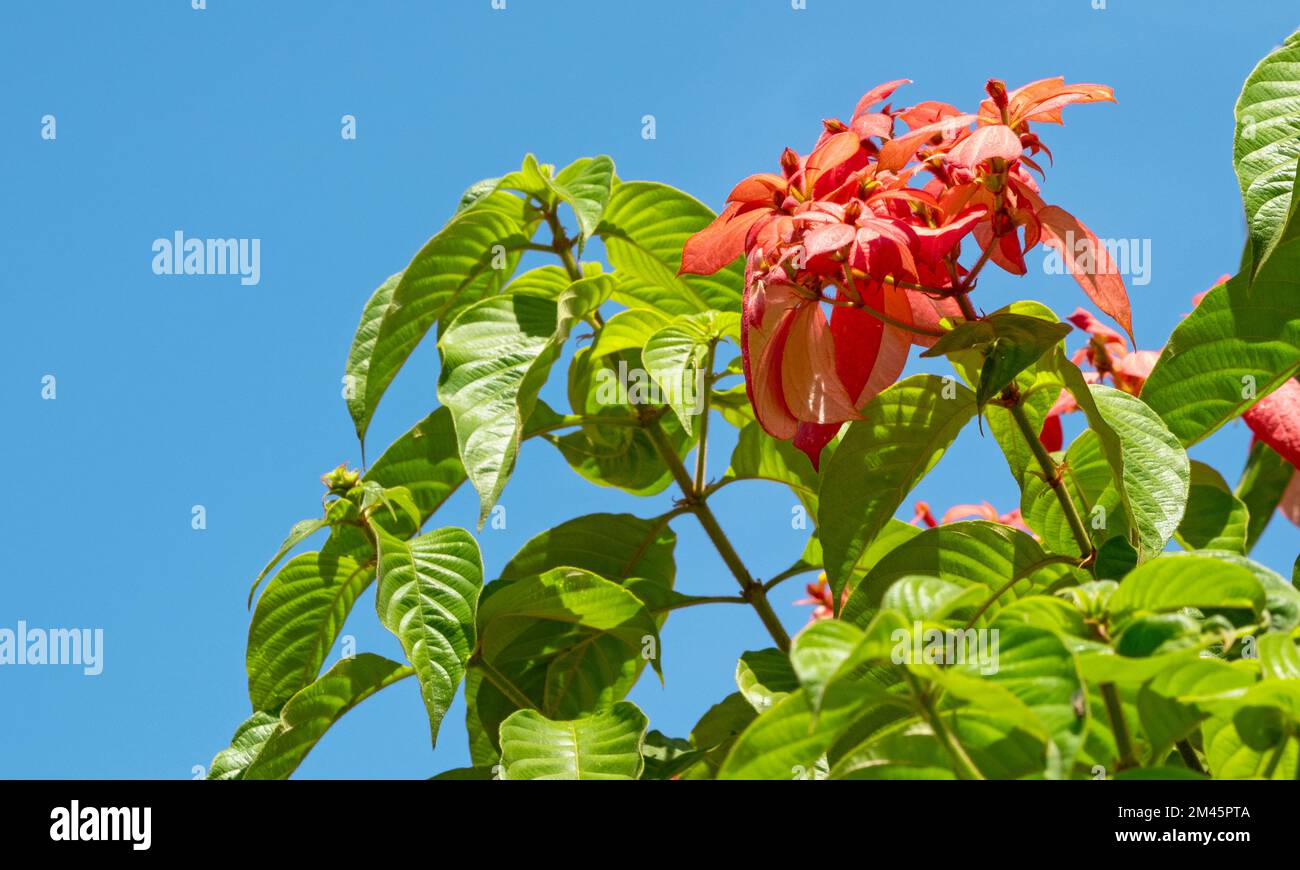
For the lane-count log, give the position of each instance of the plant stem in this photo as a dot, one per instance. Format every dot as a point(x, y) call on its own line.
point(562, 245)
point(967, 309)
point(750, 588)
point(964, 767)
point(702, 449)
point(1123, 742)
point(1052, 473)
point(788, 573)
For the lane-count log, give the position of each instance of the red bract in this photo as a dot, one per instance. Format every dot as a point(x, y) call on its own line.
point(821, 599)
point(855, 231)
point(957, 513)
point(1275, 420)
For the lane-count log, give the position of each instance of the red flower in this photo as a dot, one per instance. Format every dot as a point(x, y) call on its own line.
point(844, 230)
point(820, 597)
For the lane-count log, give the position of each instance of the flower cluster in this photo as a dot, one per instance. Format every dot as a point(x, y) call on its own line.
point(870, 225)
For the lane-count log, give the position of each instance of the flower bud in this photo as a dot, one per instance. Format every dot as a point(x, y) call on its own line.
point(789, 162)
point(340, 481)
point(997, 90)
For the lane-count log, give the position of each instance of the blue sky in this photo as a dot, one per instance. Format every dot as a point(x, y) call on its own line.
point(183, 391)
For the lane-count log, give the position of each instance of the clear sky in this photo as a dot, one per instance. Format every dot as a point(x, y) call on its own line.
point(181, 391)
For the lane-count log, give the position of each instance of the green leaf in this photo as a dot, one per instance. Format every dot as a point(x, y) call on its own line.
point(783, 743)
point(759, 456)
point(628, 330)
point(1035, 667)
point(585, 185)
point(1236, 736)
point(1241, 343)
point(817, 653)
point(531, 179)
point(764, 677)
point(1281, 598)
point(930, 599)
point(250, 737)
point(613, 546)
point(645, 227)
point(1149, 467)
point(1156, 474)
point(1215, 518)
point(1178, 580)
point(678, 356)
point(902, 434)
point(723, 722)
point(495, 358)
point(604, 746)
point(473, 256)
point(1003, 563)
point(569, 641)
point(310, 713)
point(666, 757)
point(467, 774)
point(786, 741)
point(1279, 657)
point(296, 621)
point(1086, 474)
point(1039, 387)
point(1010, 343)
point(301, 531)
point(1263, 483)
point(425, 461)
point(427, 592)
point(1266, 147)
point(614, 453)
point(1168, 704)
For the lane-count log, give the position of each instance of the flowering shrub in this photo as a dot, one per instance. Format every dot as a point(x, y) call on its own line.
point(1110, 625)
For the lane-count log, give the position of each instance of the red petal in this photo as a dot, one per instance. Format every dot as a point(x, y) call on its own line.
point(812, 437)
point(721, 241)
point(809, 380)
point(1052, 436)
point(927, 312)
point(871, 354)
point(895, 153)
point(1275, 420)
point(985, 144)
point(1102, 282)
point(936, 242)
point(759, 188)
point(878, 94)
point(1084, 319)
point(832, 154)
point(1290, 503)
point(827, 239)
point(762, 345)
